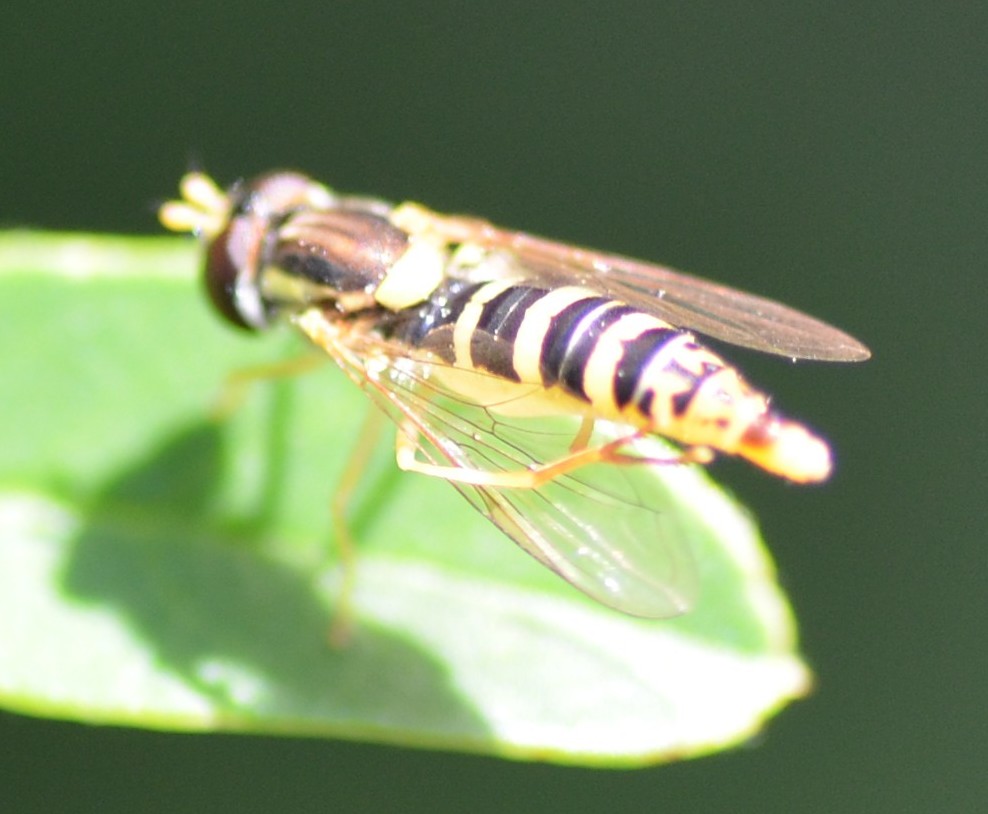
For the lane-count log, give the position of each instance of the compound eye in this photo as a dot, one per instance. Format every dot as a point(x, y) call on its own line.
point(232, 262)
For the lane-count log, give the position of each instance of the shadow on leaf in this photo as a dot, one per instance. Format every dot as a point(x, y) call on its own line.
point(240, 629)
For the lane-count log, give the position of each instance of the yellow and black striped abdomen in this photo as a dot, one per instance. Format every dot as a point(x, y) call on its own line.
point(612, 361)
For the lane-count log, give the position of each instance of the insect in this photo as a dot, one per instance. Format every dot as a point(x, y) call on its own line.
point(532, 375)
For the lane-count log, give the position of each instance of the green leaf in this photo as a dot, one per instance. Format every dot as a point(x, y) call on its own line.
point(161, 570)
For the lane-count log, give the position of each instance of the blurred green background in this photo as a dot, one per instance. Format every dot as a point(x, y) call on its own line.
point(832, 158)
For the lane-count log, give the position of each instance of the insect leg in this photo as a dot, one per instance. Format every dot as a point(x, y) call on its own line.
point(407, 446)
point(237, 383)
point(583, 434)
point(230, 399)
point(341, 627)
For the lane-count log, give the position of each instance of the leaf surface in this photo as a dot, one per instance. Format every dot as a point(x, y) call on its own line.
point(164, 570)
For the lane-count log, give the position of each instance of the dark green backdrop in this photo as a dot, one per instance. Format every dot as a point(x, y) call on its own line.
point(834, 158)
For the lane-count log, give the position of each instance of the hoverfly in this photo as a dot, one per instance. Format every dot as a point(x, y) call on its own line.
point(532, 375)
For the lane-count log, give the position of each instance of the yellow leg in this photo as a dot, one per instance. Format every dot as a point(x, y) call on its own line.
point(583, 434)
point(341, 628)
point(232, 397)
point(406, 456)
point(235, 387)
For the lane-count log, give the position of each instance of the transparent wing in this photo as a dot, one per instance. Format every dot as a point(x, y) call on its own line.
point(601, 527)
point(684, 300)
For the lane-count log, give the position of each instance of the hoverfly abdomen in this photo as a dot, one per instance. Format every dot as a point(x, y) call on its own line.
point(431, 325)
point(621, 363)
